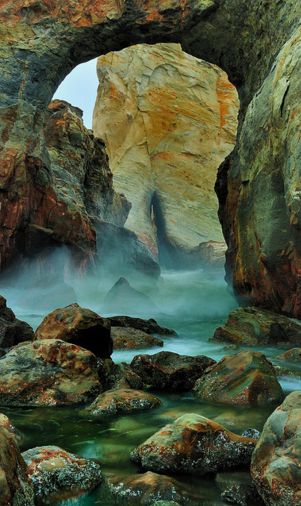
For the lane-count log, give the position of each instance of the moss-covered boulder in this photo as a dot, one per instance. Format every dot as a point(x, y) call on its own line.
point(49, 372)
point(193, 445)
point(253, 326)
point(79, 326)
point(275, 466)
point(122, 401)
point(170, 371)
point(244, 379)
point(59, 474)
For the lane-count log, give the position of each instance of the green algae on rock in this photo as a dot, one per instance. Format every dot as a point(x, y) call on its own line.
point(275, 466)
point(121, 401)
point(193, 445)
point(49, 372)
point(59, 474)
point(244, 379)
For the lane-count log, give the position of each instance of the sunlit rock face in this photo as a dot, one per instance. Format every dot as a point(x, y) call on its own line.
point(168, 121)
point(257, 43)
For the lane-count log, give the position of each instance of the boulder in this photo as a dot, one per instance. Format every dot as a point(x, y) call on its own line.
point(149, 326)
point(79, 326)
point(123, 298)
point(57, 474)
point(127, 338)
point(170, 371)
point(193, 445)
point(49, 372)
point(12, 330)
point(293, 356)
point(119, 376)
point(244, 379)
point(15, 486)
point(160, 94)
point(275, 466)
point(121, 401)
point(253, 326)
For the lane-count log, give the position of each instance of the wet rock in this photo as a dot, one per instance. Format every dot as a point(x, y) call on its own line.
point(244, 379)
point(293, 355)
point(79, 326)
point(49, 372)
point(169, 371)
point(149, 326)
point(58, 474)
point(127, 338)
point(242, 494)
point(253, 433)
point(193, 445)
point(122, 376)
point(12, 330)
point(122, 401)
point(161, 93)
point(124, 298)
point(15, 485)
point(275, 466)
point(254, 326)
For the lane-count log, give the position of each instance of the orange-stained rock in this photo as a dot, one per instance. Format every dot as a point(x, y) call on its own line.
point(168, 120)
point(80, 326)
point(121, 401)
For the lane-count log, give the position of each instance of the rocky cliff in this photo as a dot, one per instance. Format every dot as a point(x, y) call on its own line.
point(257, 43)
point(168, 120)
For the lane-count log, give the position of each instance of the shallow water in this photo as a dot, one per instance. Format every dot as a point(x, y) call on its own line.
point(194, 304)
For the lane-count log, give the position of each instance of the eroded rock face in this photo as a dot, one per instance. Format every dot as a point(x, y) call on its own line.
point(170, 371)
point(79, 326)
point(12, 330)
point(15, 485)
point(49, 372)
point(193, 445)
point(275, 466)
point(122, 401)
point(254, 326)
point(168, 121)
point(245, 379)
point(263, 264)
point(58, 474)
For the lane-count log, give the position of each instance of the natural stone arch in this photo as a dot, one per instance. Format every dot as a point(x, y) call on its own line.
point(41, 41)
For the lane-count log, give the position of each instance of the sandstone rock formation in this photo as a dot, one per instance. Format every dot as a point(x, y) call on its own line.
point(193, 445)
point(275, 466)
point(168, 120)
point(255, 42)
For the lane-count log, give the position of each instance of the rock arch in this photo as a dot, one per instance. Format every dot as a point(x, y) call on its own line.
point(257, 43)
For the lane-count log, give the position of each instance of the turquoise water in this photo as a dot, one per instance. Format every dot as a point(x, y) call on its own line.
point(194, 304)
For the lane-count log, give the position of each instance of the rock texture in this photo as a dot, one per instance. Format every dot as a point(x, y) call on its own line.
point(193, 445)
point(15, 486)
point(168, 121)
point(58, 474)
point(149, 326)
point(245, 379)
point(257, 43)
point(122, 401)
point(79, 326)
point(127, 338)
point(12, 330)
point(48, 373)
point(253, 326)
point(275, 464)
point(170, 371)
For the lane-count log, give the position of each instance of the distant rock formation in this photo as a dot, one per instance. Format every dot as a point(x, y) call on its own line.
point(168, 121)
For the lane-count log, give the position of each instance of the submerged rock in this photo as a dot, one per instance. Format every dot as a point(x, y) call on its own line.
point(59, 474)
point(193, 445)
point(253, 326)
point(149, 326)
point(122, 401)
point(124, 298)
point(15, 486)
point(127, 338)
point(169, 371)
point(12, 330)
point(49, 372)
point(244, 379)
point(79, 326)
point(275, 466)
